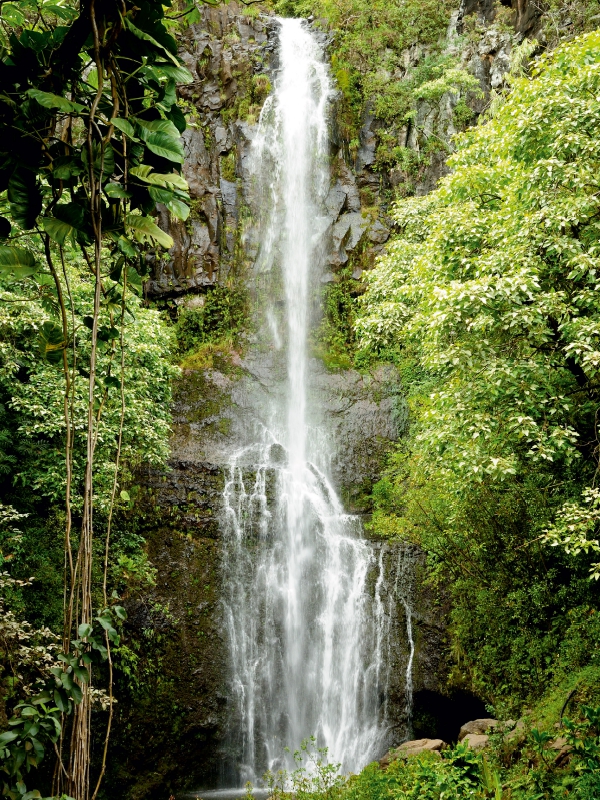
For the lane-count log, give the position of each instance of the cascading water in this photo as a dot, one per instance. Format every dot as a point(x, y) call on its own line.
point(304, 614)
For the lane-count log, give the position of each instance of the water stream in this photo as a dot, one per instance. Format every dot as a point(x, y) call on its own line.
point(307, 607)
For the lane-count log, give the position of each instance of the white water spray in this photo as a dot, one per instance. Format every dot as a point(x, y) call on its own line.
point(307, 638)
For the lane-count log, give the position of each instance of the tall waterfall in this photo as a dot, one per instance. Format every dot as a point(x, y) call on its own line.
point(306, 623)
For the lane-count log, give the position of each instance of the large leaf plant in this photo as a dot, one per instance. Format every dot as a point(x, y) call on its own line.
point(89, 145)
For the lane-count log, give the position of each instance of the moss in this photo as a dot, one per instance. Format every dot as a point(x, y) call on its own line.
point(250, 95)
point(227, 167)
point(223, 315)
point(210, 355)
point(334, 339)
point(162, 736)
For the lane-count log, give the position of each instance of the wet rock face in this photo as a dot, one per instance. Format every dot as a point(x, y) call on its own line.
point(367, 415)
point(229, 56)
point(233, 60)
point(180, 723)
point(171, 730)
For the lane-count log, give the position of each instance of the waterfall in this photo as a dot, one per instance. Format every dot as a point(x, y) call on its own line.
point(304, 615)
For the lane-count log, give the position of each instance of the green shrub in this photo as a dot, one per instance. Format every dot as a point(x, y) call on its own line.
point(222, 316)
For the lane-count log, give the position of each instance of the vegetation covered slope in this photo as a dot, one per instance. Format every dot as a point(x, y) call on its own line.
point(89, 143)
point(490, 295)
point(487, 299)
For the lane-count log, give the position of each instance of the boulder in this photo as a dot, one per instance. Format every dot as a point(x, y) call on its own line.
point(563, 749)
point(378, 233)
point(517, 733)
point(413, 748)
point(477, 727)
point(476, 740)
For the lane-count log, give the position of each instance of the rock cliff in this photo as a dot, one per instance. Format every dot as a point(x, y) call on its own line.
point(175, 736)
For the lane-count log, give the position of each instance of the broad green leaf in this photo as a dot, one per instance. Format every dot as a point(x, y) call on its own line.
point(66, 167)
point(178, 74)
point(126, 247)
point(69, 219)
point(35, 40)
point(17, 263)
point(145, 229)
point(133, 279)
point(51, 341)
point(92, 78)
point(84, 630)
point(49, 100)
point(12, 14)
point(7, 737)
point(144, 173)
point(146, 37)
point(105, 620)
point(34, 794)
point(164, 145)
point(76, 693)
point(176, 116)
point(107, 164)
point(125, 126)
point(119, 610)
point(176, 206)
point(56, 229)
point(19, 755)
point(169, 95)
point(63, 12)
point(42, 697)
point(81, 674)
point(157, 126)
point(61, 700)
point(116, 190)
point(39, 752)
point(24, 197)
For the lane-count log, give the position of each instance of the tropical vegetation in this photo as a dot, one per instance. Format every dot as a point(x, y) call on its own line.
point(485, 300)
point(90, 142)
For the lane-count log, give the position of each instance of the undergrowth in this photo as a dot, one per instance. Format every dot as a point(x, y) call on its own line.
point(219, 320)
point(521, 764)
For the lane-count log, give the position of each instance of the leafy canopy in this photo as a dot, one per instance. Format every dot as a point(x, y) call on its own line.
point(494, 282)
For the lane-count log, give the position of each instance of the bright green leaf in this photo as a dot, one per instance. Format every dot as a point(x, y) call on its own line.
point(145, 229)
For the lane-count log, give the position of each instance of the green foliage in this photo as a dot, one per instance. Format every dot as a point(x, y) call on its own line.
point(456, 775)
point(50, 680)
point(313, 778)
point(44, 176)
point(32, 389)
point(489, 295)
point(369, 63)
point(530, 772)
point(584, 738)
point(89, 143)
point(334, 338)
point(228, 167)
point(222, 316)
point(567, 18)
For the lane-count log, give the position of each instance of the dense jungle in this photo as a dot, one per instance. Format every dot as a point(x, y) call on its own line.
point(450, 343)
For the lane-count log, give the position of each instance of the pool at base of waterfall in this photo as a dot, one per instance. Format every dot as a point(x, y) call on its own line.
point(224, 794)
